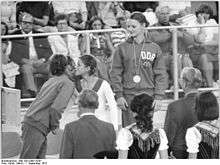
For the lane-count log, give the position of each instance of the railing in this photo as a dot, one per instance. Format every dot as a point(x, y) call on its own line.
point(174, 45)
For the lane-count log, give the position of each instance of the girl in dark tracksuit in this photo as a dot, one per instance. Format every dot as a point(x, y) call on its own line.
point(137, 67)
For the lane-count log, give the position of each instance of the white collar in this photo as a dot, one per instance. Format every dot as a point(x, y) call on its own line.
point(87, 114)
point(26, 33)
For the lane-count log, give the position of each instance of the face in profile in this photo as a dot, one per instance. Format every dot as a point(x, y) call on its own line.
point(134, 27)
point(81, 69)
point(62, 26)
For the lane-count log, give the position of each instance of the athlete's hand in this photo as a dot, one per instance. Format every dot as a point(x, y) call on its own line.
point(122, 103)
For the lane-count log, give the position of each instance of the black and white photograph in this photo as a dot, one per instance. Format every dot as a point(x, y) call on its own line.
point(129, 79)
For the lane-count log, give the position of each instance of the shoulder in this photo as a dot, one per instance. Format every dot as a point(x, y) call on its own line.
point(175, 104)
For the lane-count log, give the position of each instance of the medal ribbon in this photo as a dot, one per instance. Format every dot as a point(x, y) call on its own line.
point(137, 66)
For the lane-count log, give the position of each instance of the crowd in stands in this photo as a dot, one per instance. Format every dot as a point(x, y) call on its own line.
point(129, 70)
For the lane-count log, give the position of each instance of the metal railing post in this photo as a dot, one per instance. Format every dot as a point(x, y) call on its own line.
point(87, 43)
point(175, 66)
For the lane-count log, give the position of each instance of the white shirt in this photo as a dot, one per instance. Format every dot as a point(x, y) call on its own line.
point(193, 138)
point(125, 140)
point(108, 114)
point(32, 51)
point(59, 46)
point(67, 7)
point(86, 114)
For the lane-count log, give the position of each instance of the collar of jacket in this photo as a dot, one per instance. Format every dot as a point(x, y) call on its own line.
point(146, 38)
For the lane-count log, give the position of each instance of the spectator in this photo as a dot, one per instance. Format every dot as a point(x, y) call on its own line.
point(46, 110)
point(39, 10)
point(8, 14)
point(67, 44)
point(181, 113)
point(70, 7)
point(31, 54)
point(150, 16)
point(92, 8)
point(204, 53)
point(86, 68)
point(9, 69)
point(88, 135)
point(163, 37)
point(137, 67)
point(120, 36)
point(100, 46)
point(202, 139)
point(109, 11)
point(145, 140)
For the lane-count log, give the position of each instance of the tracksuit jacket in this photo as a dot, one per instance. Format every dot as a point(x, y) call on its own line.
point(152, 69)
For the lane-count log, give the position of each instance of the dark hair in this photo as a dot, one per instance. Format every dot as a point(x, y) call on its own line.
point(61, 17)
point(207, 107)
point(138, 16)
point(6, 27)
point(89, 61)
point(58, 64)
point(205, 9)
point(93, 19)
point(88, 99)
point(142, 105)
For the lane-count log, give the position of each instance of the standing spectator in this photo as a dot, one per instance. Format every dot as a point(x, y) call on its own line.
point(70, 7)
point(100, 46)
point(120, 36)
point(109, 11)
point(92, 8)
point(31, 54)
point(83, 138)
point(163, 37)
point(44, 113)
point(137, 67)
point(181, 113)
point(202, 139)
point(67, 44)
point(204, 53)
point(8, 14)
point(39, 10)
point(86, 68)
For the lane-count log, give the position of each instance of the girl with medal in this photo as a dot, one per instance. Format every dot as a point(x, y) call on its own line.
point(137, 67)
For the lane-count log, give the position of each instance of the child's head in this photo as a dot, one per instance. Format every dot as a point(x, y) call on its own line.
point(58, 65)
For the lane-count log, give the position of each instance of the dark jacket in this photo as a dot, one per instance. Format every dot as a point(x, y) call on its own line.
point(20, 47)
point(152, 69)
point(180, 116)
point(83, 138)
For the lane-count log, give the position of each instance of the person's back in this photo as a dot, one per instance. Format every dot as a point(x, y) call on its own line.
point(84, 138)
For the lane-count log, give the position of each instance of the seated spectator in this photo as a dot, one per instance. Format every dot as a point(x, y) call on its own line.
point(39, 10)
point(70, 7)
point(204, 53)
point(87, 136)
point(120, 36)
point(181, 113)
point(67, 44)
point(202, 139)
point(31, 54)
point(108, 12)
point(100, 46)
point(141, 140)
point(163, 37)
point(8, 14)
point(46, 110)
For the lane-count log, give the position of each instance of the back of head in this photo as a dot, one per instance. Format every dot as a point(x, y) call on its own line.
point(58, 64)
point(207, 107)
point(88, 99)
point(142, 105)
point(191, 78)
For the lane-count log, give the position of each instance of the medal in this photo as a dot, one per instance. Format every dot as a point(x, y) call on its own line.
point(137, 78)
